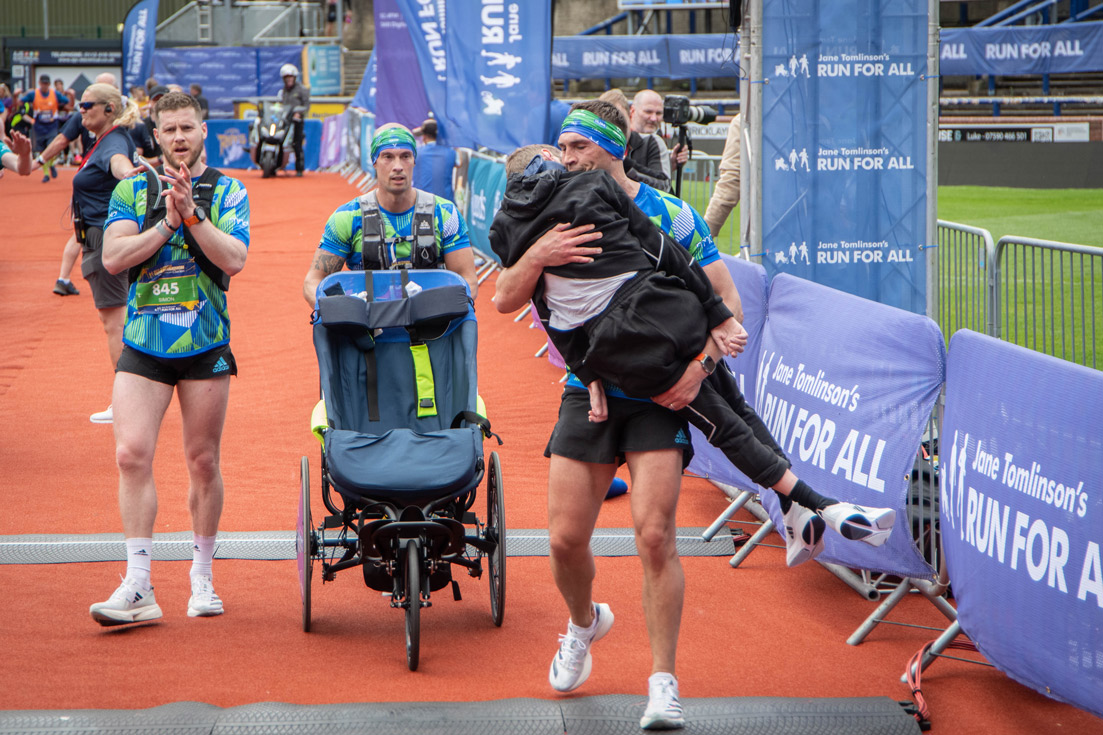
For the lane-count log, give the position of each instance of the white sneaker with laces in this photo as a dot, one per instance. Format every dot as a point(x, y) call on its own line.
point(572, 663)
point(127, 604)
point(103, 417)
point(853, 522)
point(664, 711)
point(803, 535)
point(203, 602)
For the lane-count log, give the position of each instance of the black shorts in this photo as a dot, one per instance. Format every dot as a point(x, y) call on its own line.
point(632, 426)
point(108, 290)
point(216, 363)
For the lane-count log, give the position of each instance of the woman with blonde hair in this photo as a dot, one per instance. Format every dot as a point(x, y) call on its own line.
point(106, 116)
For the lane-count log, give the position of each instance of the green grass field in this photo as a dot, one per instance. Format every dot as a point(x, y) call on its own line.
point(1030, 279)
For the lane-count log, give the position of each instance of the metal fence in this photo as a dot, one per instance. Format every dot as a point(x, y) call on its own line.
point(1048, 296)
point(71, 18)
point(962, 297)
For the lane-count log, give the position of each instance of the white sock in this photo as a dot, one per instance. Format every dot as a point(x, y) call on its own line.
point(139, 554)
point(202, 554)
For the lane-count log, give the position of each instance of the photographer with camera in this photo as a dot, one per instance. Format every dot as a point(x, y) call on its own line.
point(643, 154)
point(645, 118)
point(677, 111)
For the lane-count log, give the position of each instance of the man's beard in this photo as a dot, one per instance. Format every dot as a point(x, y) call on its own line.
point(172, 160)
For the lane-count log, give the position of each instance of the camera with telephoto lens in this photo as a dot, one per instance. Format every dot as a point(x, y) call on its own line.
point(678, 111)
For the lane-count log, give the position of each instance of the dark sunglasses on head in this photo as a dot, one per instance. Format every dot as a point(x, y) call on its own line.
point(89, 105)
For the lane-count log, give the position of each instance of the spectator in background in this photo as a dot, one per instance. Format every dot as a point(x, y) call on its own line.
point(645, 118)
point(64, 115)
point(141, 98)
point(196, 91)
point(109, 161)
point(72, 132)
point(295, 99)
point(642, 155)
point(434, 164)
point(726, 193)
point(46, 103)
point(152, 84)
point(150, 121)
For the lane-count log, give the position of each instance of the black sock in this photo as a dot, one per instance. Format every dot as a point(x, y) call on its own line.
point(804, 495)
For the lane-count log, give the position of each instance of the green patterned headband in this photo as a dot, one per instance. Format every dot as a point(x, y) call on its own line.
point(590, 126)
point(392, 138)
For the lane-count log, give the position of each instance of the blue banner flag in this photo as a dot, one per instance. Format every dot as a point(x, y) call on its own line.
point(499, 76)
point(365, 93)
point(846, 386)
point(400, 95)
point(844, 146)
point(1021, 513)
point(1064, 48)
point(139, 37)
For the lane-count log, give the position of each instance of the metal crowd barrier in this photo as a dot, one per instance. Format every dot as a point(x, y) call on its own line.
point(962, 300)
point(1047, 297)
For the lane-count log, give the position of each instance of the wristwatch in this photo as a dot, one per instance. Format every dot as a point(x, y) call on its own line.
point(198, 216)
point(707, 363)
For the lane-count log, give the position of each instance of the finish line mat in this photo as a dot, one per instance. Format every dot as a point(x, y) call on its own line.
point(280, 545)
point(604, 715)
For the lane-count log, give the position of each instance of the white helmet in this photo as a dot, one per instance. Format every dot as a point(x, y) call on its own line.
point(289, 70)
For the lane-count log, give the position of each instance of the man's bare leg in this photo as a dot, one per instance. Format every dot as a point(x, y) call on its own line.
point(656, 482)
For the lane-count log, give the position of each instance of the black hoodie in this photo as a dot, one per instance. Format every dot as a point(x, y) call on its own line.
point(666, 310)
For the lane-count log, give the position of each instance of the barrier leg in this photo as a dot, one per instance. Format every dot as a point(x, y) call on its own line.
point(542, 351)
point(744, 551)
point(523, 314)
point(486, 273)
point(879, 614)
point(734, 508)
point(940, 645)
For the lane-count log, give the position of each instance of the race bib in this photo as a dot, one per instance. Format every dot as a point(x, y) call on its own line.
point(45, 117)
point(172, 287)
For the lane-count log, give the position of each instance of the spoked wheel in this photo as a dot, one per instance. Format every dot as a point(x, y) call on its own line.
point(304, 543)
point(413, 605)
point(496, 532)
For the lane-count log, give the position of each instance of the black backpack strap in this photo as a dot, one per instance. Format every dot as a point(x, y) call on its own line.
point(372, 246)
point(203, 195)
point(425, 253)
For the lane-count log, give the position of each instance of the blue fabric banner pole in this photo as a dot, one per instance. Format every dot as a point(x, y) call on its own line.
point(139, 37)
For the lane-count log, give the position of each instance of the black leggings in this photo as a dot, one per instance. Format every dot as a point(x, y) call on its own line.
point(732, 426)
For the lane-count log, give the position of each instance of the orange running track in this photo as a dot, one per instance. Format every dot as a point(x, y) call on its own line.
point(761, 630)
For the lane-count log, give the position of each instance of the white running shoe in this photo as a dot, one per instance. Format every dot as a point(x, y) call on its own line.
point(128, 604)
point(853, 522)
point(572, 663)
point(103, 417)
point(203, 602)
point(664, 711)
point(803, 535)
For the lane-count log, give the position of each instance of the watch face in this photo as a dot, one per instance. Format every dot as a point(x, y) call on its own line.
point(708, 364)
point(200, 214)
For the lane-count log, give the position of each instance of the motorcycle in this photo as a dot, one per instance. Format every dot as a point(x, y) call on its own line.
point(271, 138)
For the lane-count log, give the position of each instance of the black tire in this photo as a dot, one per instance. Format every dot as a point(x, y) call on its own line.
point(304, 543)
point(268, 164)
point(496, 532)
point(413, 605)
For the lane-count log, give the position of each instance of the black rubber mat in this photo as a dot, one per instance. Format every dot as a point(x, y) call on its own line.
point(606, 715)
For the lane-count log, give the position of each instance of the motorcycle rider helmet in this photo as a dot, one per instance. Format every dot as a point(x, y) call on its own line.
point(289, 70)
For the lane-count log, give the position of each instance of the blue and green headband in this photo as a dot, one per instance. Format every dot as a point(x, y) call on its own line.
point(392, 138)
point(602, 132)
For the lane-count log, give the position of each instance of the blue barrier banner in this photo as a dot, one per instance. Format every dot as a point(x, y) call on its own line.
point(1049, 49)
point(363, 134)
point(704, 55)
point(498, 69)
point(750, 281)
point(400, 94)
point(1021, 513)
point(844, 146)
point(846, 387)
point(486, 181)
point(139, 39)
point(226, 72)
point(228, 140)
point(333, 141)
point(595, 57)
point(323, 70)
point(365, 93)
point(227, 144)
